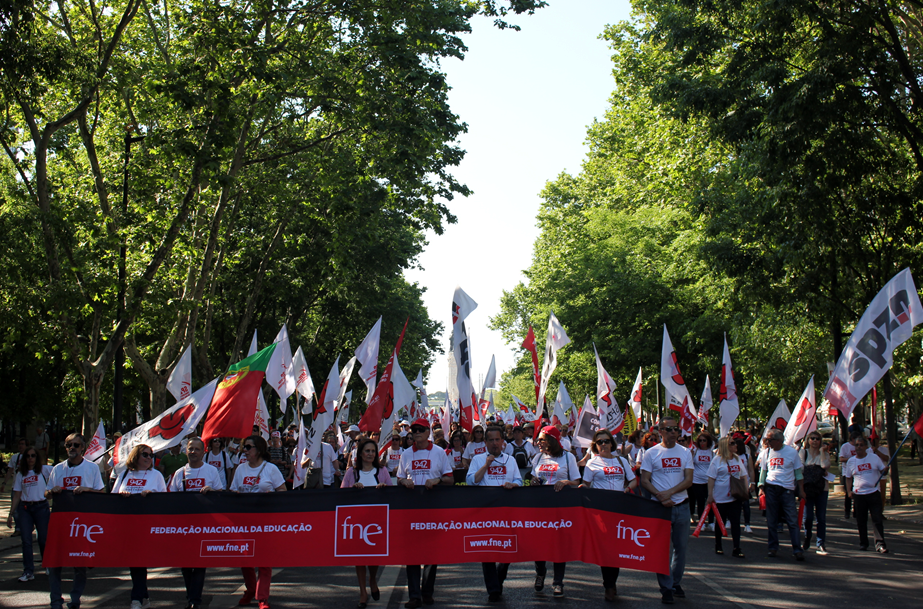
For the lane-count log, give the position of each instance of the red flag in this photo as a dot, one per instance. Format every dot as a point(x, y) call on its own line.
point(234, 404)
point(874, 433)
point(384, 396)
point(529, 344)
point(918, 426)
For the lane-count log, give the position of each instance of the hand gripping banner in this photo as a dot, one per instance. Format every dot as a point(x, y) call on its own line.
point(359, 527)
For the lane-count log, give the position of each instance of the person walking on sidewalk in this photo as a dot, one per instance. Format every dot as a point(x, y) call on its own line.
point(780, 472)
point(862, 473)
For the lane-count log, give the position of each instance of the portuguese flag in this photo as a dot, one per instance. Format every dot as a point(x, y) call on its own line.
point(234, 405)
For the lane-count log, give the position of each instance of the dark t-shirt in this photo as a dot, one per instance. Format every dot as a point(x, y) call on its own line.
point(276, 454)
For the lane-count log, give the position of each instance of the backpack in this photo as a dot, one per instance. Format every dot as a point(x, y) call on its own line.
point(521, 456)
point(814, 481)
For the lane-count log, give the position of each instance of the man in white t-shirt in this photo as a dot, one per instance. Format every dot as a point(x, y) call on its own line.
point(847, 452)
point(862, 473)
point(494, 468)
point(666, 472)
point(780, 472)
point(423, 464)
point(78, 476)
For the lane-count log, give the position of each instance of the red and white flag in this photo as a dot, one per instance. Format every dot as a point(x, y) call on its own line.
point(779, 419)
point(304, 385)
point(167, 429)
point(462, 306)
point(525, 413)
point(887, 323)
point(705, 402)
point(607, 407)
point(402, 397)
point(179, 383)
point(280, 370)
point(367, 354)
point(298, 474)
point(561, 402)
point(447, 415)
point(804, 417)
point(371, 419)
point(554, 340)
point(490, 382)
point(529, 345)
point(728, 406)
point(324, 412)
point(97, 446)
point(672, 379)
point(261, 416)
point(635, 399)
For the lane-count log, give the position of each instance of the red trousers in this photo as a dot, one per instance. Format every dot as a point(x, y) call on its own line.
point(258, 588)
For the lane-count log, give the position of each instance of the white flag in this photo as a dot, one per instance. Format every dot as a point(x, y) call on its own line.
point(179, 383)
point(367, 354)
point(524, 411)
point(97, 446)
point(324, 413)
point(167, 429)
point(779, 419)
point(344, 380)
point(728, 407)
point(343, 411)
point(607, 407)
point(304, 385)
point(555, 339)
point(677, 392)
point(447, 416)
point(299, 472)
point(887, 323)
point(490, 381)
point(804, 417)
point(404, 396)
point(706, 401)
point(280, 371)
point(635, 399)
point(558, 417)
point(462, 306)
point(424, 399)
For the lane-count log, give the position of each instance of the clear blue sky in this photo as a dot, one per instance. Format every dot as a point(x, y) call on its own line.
point(528, 98)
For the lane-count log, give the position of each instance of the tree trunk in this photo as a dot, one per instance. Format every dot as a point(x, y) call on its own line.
point(891, 426)
point(92, 381)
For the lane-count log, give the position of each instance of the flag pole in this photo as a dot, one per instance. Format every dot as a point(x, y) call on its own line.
point(894, 456)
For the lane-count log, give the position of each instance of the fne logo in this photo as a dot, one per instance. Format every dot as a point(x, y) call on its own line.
point(361, 530)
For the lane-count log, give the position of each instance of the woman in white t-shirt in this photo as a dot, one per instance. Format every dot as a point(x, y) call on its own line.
point(257, 475)
point(139, 478)
point(475, 447)
point(218, 458)
point(31, 507)
point(702, 454)
point(610, 472)
point(554, 467)
point(370, 474)
point(455, 452)
point(726, 464)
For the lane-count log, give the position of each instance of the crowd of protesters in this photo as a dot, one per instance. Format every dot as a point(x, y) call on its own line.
point(690, 476)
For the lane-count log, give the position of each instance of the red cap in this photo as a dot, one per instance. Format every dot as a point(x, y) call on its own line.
point(554, 432)
point(421, 423)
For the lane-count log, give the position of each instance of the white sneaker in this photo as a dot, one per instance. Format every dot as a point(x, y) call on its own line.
point(146, 603)
point(711, 527)
point(747, 529)
point(727, 525)
point(26, 577)
point(135, 605)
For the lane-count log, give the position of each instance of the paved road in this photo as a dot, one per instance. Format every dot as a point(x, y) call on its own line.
point(845, 577)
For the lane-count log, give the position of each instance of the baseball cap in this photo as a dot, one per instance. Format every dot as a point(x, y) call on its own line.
point(551, 430)
point(354, 428)
point(421, 422)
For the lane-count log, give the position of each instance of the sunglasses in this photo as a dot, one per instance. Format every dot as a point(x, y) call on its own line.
point(601, 442)
point(147, 455)
point(32, 456)
point(674, 429)
point(418, 430)
point(73, 445)
point(248, 446)
point(812, 439)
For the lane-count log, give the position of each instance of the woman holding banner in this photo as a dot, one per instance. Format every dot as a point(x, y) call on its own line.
point(608, 471)
point(139, 478)
point(725, 465)
point(30, 505)
point(255, 477)
point(553, 467)
point(368, 473)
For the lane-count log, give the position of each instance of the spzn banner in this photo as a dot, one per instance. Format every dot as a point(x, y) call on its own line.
point(360, 527)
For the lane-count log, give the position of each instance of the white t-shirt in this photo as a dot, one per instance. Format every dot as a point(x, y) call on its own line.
point(221, 461)
point(612, 474)
point(668, 468)
point(329, 457)
point(549, 470)
point(633, 451)
point(721, 471)
point(474, 448)
point(263, 479)
point(847, 450)
point(701, 461)
point(455, 457)
point(565, 444)
point(139, 481)
point(32, 485)
point(189, 479)
point(69, 478)
point(367, 479)
point(422, 465)
point(780, 466)
point(502, 470)
point(393, 459)
point(864, 473)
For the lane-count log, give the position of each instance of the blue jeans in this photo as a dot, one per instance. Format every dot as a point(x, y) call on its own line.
point(414, 587)
point(780, 505)
point(35, 515)
point(679, 536)
point(54, 584)
point(816, 505)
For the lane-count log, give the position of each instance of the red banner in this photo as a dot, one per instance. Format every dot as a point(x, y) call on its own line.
point(359, 527)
